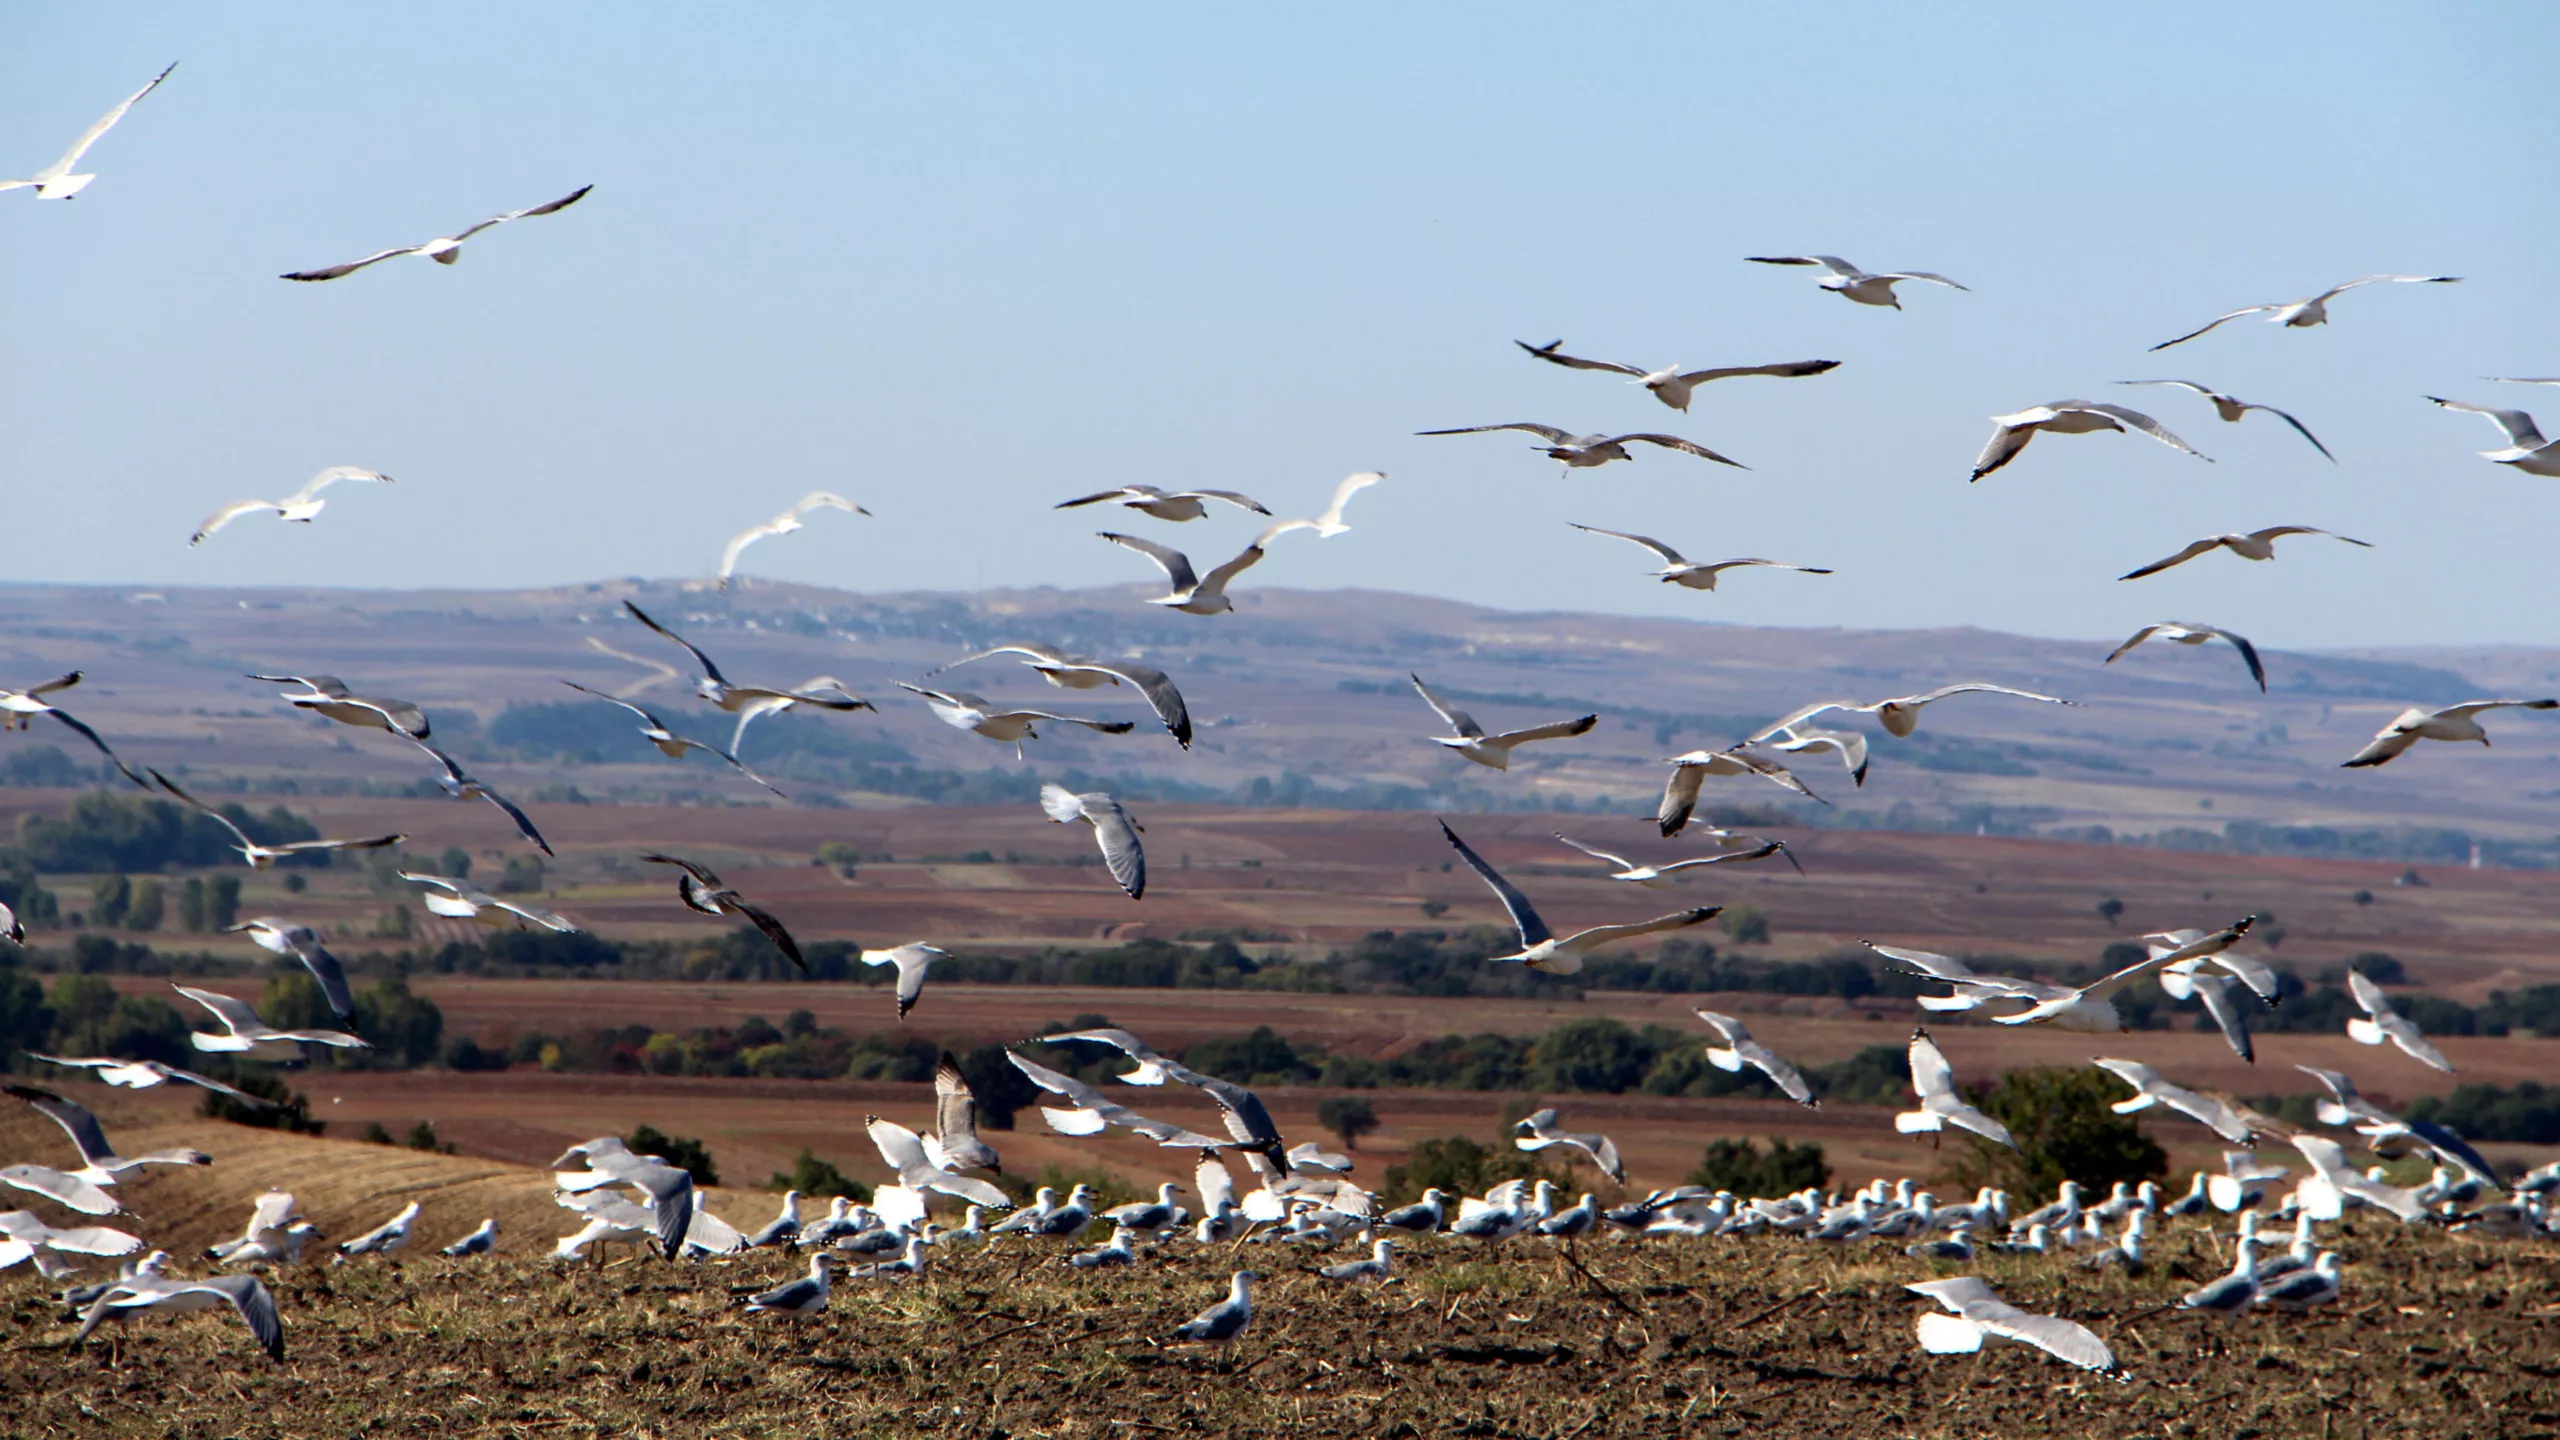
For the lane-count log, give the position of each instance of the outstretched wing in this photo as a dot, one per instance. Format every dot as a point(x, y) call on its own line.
point(1557, 730)
point(1459, 721)
point(2217, 320)
point(1599, 935)
point(2194, 549)
point(1669, 555)
point(92, 737)
point(2144, 423)
point(1621, 861)
point(1524, 916)
point(1548, 433)
point(332, 272)
point(1176, 565)
point(193, 803)
point(1553, 356)
point(708, 669)
point(1685, 447)
point(105, 123)
point(1788, 370)
point(227, 514)
point(563, 203)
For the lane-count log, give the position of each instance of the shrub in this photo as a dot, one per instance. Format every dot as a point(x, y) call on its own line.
point(285, 1109)
point(683, 1152)
point(812, 1176)
point(2529, 1114)
point(1348, 1116)
point(1460, 1166)
point(2065, 1131)
point(1783, 1169)
point(1744, 925)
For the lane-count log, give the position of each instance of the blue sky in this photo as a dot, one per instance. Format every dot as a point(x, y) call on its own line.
point(961, 264)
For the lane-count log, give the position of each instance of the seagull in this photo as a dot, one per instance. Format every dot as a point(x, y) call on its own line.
point(1329, 524)
point(1113, 830)
point(1580, 452)
point(1227, 1319)
point(279, 936)
point(144, 1074)
point(2232, 407)
point(99, 1162)
point(2380, 1022)
point(1091, 1111)
point(747, 702)
point(478, 1242)
point(904, 1151)
point(962, 710)
point(302, 506)
point(1935, 1080)
point(60, 1188)
point(1153, 1069)
point(1740, 1049)
point(168, 1295)
point(55, 181)
point(1166, 504)
point(703, 893)
point(1801, 738)
point(263, 857)
point(2068, 417)
point(12, 928)
point(1972, 991)
point(462, 787)
point(1856, 284)
point(2313, 311)
point(1149, 1217)
point(1112, 1252)
point(2454, 722)
point(1540, 949)
point(1901, 715)
point(782, 524)
point(24, 1237)
point(1082, 672)
point(2088, 1008)
point(2256, 545)
point(2188, 979)
point(246, 1035)
point(1678, 571)
point(2151, 1089)
point(1672, 386)
point(328, 695)
point(1659, 877)
point(669, 1189)
point(1689, 772)
point(2189, 633)
point(2304, 1289)
point(1379, 1265)
point(1493, 751)
point(1541, 1125)
point(669, 743)
point(2232, 1294)
point(456, 901)
point(1975, 1314)
point(955, 1145)
point(2345, 1105)
point(2325, 1192)
point(388, 1238)
point(801, 1298)
point(2525, 449)
point(19, 708)
point(1189, 592)
point(784, 1229)
point(911, 961)
point(444, 249)
point(1067, 1220)
point(1506, 1210)
point(1424, 1217)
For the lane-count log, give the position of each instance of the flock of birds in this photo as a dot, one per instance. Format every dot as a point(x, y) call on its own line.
point(1302, 1194)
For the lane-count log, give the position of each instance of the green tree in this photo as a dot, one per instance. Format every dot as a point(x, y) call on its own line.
point(812, 1176)
point(2065, 1131)
point(2111, 909)
point(455, 863)
point(222, 902)
point(1348, 1116)
point(422, 1136)
point(150, 906)
point(81, 1003)
point(999, 1087)
point(1589, 1055)
point(274, 1107)
point(32, 903)
point(294, 1001)
point(26, 1021)
point(523, 876)
point(405, 1028)
point(110, 896)
point(191, 905)
point(1744, 925)
point(683, 1152)
point(1460, 1166)
point(375, 1134)
point(1783, 1169)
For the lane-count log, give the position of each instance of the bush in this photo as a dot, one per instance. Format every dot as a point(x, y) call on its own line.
point(1784, 1169)
point(1460, 1166)
point(812, 1176)
point(26, 1021)
point(1589, 1055)
point(465, 1055)
point(999, 1087)
point(110, 896)
point(150, 906)
point(1348, 1116)
point(107, 833)
point(286, 1109)
point(2529, 1114)
point(422, 1136)
point(406, 1029)
point(2065, 1131)
point(374, 1133)
point(523, 876)
point(683, 1152)
point(1744, 925)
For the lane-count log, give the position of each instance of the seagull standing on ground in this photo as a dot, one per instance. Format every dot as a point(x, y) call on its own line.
point(1190, 592)
point(1493, 751)
point(801, 1298)
point(1672, 386)
point(2256, 545)
point(19, 708)
point(669, 743)
point(2380, 1023)
point(1174, 505)
point(444, 249)
point(2190, 633)
point(2232, 407)
point(1739, 1049)
point(1853, 283)
point(1113, 830)
point(1541, 1125)
point(2454, 722)
point(478, 1242)
point(1540, 948)
point(703, 893)
point(2312, 311)
point(264, 857)
point(301, 507)
point(1677, 570)
point(2068, 417)
point(55, 181)
point(463, 787)
point(782, 524)
point(2525, 449)
point(1940, 1106)
point(1579, 452)
point(1083, 672)
point(1228, 1318)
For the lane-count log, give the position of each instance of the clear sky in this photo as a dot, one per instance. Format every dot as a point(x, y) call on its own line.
point(959, 263)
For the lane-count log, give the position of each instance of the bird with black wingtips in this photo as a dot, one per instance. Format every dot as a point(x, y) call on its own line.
point(671, 744)
point(1581, 452)
point(465, 787)
point(1176, 505)
point(2311, 310)
point(19, 708)
point(2068, 417)
point(99, 1162)
point(280, 936)
point(2186, 632)
point(247, 1295)
point(1851, 283)
point(1540, 948)
point(1672, 385)
point(1070, 671)
point(2455, 723)
point(55, 181)
point(703, 892)
point(1115, 831)
point(444, 249)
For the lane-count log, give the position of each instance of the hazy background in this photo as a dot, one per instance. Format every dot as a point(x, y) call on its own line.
point(962, 264)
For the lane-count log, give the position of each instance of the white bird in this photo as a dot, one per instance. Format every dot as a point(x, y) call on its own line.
point(1115, 831)
point(2526, 449)
point(2311, 311)
point(2256, 545)
point(1671, 385)
point(1228, 1318)
point(1975, 1314)
point(444, 249)
point(1152, 1068)
point(168, 1295)
point(264, 857)
point(144, 1074)
point(2188, 979)
point(302, 506)
point(668, 1189)
point(1115, 1251)
point(1190, 592)
point(2333, 1182)
point(25, 1237)
point(2346, 1106)
point(2453, 722)
point(1901, 714)
point(1379, 1265)
point(457, 901)
point(60, 1188)
point(669, 743)
point(2232, 407)
point(2189, 633)
point(2380, 1023)
point(2242, 1183)
point(912, 961)
point(963, 710)
point(748, 702)
point(275, 1233)
point(388, 1238)
point(1739, 1049)
point(1802, 739)
point(1329, 524)
point(2152, 1089)
point(2306, 1288)
point(1659, 877)
point(328, 696)
point(1972, 991)
point(246, 1035)
point(1090, 1111)
point(903, 1151)
point(19, 708)
point(1540, 949)
point(1940, 1106)
point(2234, 1293)
point(1508, 1209)
point(1165, 504)
point(478, 1242)
point(1492, 751)
point(801, 1298)
point(1423, 1217)
point(1677, 570)
point(1583, 451)
point(2068, 417)
point(465, 787)
point(55, 181)
point(278, 936)
point(782, 524)
point(703, 893)
point(783, 1229)
point(1083, 672)
point(1690, 771)
point(1848, 280)
point(99, 1162)
point(1541, 1125)
point(2089, 1008)
point(1149, 1217)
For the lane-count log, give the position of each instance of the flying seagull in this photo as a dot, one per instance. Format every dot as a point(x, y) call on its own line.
point(301, 507)
point(954, 1143)
point(1113, 830)
point(2150, 1089)
point(278, 936)
point(904, 1151)
point(2232, 407)
point(2190, 633)
point(1541, 1125)
point(1971, 991)
point(912, 961)
point(1166, 504)
point(2526, 450)
point(1540, 949)
point(2256, 545)
point(19, 708)
point(749, 701)
point(782, 524)
point(327, 695)
point(1974, 1314)
point(1940, 1106)
point(702, 891)
point(1678, 570)
point(2380, 1022)
point(668, 1188)
point(1848, 280)
point(2188, 979)
point(1739, 1049)
point(444, 249)
point(1083, 672)
point(263, 857)
point(2312, 311)
point(55, 181)
point(669, 743)
point(144, 1074)
point(2453, 722)
point(1659, 877)
point(1690, 771)
point(2324, 1192)
point(2087, 1007)
point(99, 1162)
point(1673, 386)
point(1329, 524)
point(1583, 451)
point(1800, 738)
point(247, 1295)
point(457, 901)
point(963, 710)
point(1189, 592)
point(2067, 417)
point(1493, 751)
point(1089, 1111)
point(1153, 1069)
point(1901, 714)
point(463, 787)
point(246, 1035)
